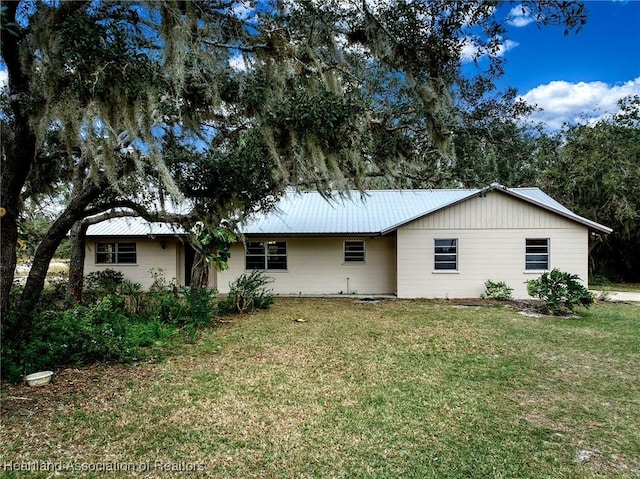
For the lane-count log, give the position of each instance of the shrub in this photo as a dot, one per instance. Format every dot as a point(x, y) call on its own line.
point(199, 305)
point(199, 310)
point(100, 283)
point(560, 291)
point(162, 302)
point(131, 293)
point(82, 335)
point(160, 282)
point(499, 291)
point(54, 294)
point(122, 320)
point(247, 293)
point(164, 306)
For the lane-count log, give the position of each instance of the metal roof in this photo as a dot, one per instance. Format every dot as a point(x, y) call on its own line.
point(133, 226)
point(373, 212)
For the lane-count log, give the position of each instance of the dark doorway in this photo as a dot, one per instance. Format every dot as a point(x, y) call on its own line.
point(189, 254)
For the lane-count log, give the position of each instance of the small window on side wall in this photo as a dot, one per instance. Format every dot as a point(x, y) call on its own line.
point(537, 254)
point(354, 252)
point(446, 254)
point(116, 253)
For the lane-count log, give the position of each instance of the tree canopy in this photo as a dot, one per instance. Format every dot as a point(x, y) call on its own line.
point(596, 172)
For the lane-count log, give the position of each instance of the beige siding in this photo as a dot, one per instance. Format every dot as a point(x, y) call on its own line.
point(316, 266)
point(149, 255)
point(491, 233)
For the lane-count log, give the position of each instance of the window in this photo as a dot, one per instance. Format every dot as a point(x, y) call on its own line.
point(537, 254)
point(446, 254)
point(354, 251)
point(266, 255)
point(116, 253)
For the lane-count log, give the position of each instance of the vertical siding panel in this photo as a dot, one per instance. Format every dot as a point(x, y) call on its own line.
point(491, 233)
point(496, 254)
point(520, 215)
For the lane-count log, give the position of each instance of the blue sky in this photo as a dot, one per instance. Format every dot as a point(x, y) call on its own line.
point(580, 75)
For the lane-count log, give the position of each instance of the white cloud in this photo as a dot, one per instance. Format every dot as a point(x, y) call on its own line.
point(581, 102)
point(243, 10)
point(470, 50)
point(505, 47)
point(520, 16)
point(4, 78)
point(240, 63)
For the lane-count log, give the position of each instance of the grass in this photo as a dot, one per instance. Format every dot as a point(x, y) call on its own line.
point(622, 287)
point(391, 389)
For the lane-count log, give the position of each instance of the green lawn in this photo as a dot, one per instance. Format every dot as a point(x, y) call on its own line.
point(623, 287)
point(391, 389)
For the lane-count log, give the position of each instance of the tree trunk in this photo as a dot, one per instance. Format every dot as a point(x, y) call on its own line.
point(47, 248)
point(76, 265)
point(15, 169)
point(199, 271)
point(18, 156)
point(38, 273)
point(8, 245)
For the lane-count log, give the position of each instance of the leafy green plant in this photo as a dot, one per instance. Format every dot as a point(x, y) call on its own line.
point(81, 335)
point(199, 309)
point(162, 301)
point(100, 283)
point(497, 290)
point(247, 293)
point(160, 282)
point(131, 293)
point(561, 291)
point(150, 332)
point(54, 294)
point(164, 306)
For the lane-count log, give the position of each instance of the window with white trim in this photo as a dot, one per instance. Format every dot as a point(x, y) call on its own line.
point(116, 253)
point(354, 251)
point(267, 255)
point(537, 254)
point(446, 254)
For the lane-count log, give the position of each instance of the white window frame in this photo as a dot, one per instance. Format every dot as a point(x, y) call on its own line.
point(266, 255)
point(438, 262)
point(529, 253)
point(354, 255)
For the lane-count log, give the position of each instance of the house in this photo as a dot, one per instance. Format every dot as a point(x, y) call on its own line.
point(410, 243)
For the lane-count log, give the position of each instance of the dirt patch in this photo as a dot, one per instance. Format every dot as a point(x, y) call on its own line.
point(69, 384)
point(517, 305)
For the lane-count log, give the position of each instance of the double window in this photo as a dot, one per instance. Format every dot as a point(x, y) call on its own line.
point(116, 253)
point(537, 254)
point(267, 255)
point(446, 254)
point(354, 251)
